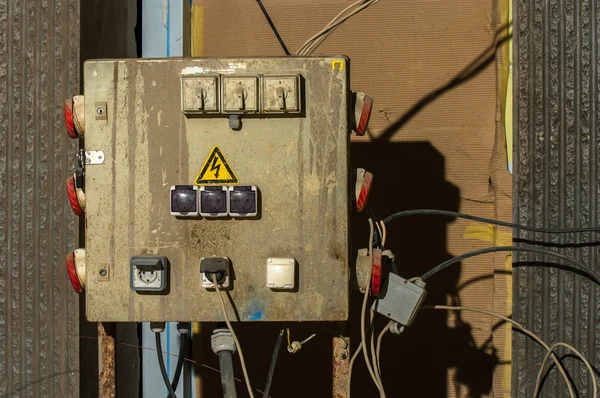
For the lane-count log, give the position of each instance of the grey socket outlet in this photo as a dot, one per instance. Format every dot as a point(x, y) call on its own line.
point(148, 273)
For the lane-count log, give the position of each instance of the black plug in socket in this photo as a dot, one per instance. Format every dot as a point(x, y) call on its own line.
point(217, 266)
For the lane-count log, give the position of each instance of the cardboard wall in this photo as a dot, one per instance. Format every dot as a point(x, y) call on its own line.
point(435, 141)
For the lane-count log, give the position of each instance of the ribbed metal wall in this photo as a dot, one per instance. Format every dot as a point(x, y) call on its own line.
point(39, 69)
point(556, 182)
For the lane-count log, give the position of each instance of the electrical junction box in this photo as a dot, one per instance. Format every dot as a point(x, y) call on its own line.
point(164, 123)
point(400, 300)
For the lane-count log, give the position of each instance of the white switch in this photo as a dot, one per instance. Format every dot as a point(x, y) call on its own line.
point(281, 94)
point(240, 94)
point(281, 273)
point(199, 94)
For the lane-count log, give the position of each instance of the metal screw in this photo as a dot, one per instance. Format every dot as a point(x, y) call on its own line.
point(100, 111)
point(102, 272)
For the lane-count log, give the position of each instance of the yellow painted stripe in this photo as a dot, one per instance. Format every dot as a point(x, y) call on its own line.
point(508, 106)
point(488, 233)
point(197, 31)
point(508, 116)
point(508, 336)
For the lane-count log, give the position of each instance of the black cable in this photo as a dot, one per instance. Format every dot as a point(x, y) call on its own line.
point(581, 267)
point(487, 220)
point(272, 365)
point(161, 364)
point(273, 28)
point(180, 360)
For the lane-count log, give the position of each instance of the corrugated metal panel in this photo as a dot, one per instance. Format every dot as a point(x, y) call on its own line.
point(39, 69)
point(556, 181)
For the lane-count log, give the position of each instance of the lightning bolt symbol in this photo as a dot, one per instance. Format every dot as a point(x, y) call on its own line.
point(216, 167)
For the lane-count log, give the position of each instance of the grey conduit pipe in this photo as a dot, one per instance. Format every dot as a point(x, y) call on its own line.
point(227, 380)
point(223, 345)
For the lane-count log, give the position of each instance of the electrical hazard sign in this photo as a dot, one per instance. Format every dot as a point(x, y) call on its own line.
point(216, 170)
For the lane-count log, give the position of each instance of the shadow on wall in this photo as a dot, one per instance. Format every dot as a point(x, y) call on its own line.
point(415, 363)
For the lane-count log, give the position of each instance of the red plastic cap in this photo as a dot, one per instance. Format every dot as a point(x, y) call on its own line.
point(72, 195)
point(365, 189)
point(362, 112)
point(73, 273)
point(69, 119)
point(376, 273)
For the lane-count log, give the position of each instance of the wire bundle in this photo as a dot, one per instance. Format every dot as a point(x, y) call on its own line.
point(372, 360)
point(315, 41)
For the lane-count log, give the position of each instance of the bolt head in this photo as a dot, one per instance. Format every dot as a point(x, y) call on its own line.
point(102, 272)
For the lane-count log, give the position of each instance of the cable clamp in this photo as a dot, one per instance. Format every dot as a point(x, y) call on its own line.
point(222, 340)
point(388, 253)
point(294, 347)
point(396, 328)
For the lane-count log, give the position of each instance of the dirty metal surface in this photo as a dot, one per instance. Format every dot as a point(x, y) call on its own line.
point(39, 69)
point(106, 360)
point(556, 183)
point(341, 366)
point(299, 163)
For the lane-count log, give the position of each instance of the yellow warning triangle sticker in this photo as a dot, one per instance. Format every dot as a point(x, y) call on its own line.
point(216, 170)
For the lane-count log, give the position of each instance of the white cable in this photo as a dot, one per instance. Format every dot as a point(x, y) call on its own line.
point(311, 44)
point(374, 360)
point(329, 29)
point(379, 338)
point(379, 230)
point(307, 339)
point(522, 329)
point(349, 387)
point(317, 39)
point(538, 381)
point(363, 313)
point(330, 22)
point(383, 238)
point(372, 338)
point(235, 339)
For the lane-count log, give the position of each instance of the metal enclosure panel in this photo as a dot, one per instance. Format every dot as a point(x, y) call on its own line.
point(39, 69)
point(556, 183)
point(299, 163)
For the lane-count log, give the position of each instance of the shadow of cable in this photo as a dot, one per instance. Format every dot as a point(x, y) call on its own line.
point(479, 64)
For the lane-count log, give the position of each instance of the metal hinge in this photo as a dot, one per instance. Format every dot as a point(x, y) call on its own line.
point(94, 157)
